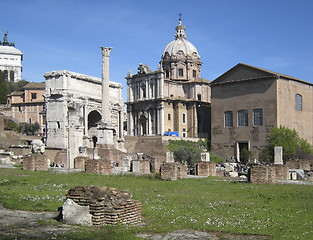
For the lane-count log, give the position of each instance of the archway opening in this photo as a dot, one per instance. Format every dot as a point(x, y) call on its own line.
point(94, 117)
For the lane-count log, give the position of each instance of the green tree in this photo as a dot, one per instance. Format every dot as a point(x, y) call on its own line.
point(4, 91)
point(29, 128)
point(186, 151)
point(293, 145)
point(245, 155)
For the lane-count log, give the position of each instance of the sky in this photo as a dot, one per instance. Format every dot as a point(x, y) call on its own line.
point(67, 35)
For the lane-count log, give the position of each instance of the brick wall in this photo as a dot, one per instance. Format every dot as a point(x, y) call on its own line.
point(98, 166)
point(61, 158)
point(267, 174)
point(306, 165)
point(205, 169)
point(108, 206)
point(173, 171)
point(35, 162)
point(79, 162)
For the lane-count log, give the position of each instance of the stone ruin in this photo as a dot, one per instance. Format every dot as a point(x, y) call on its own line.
point(36, 160)
point(173, 171)
point(205, 169)
point(91, 205)
point(267, 173)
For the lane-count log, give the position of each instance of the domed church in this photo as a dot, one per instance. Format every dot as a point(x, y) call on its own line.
point(173, 100)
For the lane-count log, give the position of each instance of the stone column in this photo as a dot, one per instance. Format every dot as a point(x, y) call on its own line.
point(106, 117)
point(105, 129)
point(161, 122)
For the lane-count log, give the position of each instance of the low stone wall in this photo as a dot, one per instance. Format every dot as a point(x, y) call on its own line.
point(140, 166)
point(267, 174)
point(61, 159)
point(79, 162)
point(35, 162)
point(306, 165)
point(173, 171)
point(98, 166)
point(108, 206)
point(205, 169)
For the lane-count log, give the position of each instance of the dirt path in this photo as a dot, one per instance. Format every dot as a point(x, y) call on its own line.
point(16, 224)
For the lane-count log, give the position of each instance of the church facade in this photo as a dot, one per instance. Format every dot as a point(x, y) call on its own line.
point(247, 102)
point(174, 99)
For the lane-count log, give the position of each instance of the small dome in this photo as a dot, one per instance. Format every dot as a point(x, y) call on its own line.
point(181, 43)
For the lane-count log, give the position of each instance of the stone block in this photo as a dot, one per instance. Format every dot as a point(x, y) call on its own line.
point(173, 171)
point(205, 169)
point(35, 162)
point(278, 155)
point(75, 214)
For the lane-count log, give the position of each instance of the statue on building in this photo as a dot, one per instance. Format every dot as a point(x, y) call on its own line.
point(5, 40)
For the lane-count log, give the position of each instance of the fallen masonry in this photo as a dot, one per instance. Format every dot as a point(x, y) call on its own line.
point(107, 206)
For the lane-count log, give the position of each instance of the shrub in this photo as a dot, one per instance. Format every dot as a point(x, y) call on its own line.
point(293, 145)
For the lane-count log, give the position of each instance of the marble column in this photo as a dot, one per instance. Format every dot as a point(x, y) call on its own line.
point(105, 84)
point(105, 129)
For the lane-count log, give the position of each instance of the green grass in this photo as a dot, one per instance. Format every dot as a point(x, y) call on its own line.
point(208, 204)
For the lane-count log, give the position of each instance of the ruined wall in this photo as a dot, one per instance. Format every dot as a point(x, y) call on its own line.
point(80, 161)
point(205, 169)
point(98, 166)
point(108, 206)
point(149, 145)
point(267, 174)
point(35, 162)
point(60, 158)
point(306, 165)
point(173, 171)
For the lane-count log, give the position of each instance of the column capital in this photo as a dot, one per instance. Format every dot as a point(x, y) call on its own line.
point(106, 51)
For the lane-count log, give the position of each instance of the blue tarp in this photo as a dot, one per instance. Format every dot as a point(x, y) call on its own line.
point(176, 134)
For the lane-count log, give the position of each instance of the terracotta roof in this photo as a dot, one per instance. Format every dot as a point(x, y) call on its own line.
point(35, 85)
point(268, 73)
point(16, 93)
point(271, 72)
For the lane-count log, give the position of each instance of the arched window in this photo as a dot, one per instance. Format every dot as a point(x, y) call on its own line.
point(228, 119)
point(298, 100)
point(243, 118)
point(257, 117)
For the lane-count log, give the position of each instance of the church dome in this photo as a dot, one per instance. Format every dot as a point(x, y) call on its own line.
point(181, 44)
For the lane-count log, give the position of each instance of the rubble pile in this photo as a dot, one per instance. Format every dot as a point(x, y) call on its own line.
point(108, 206)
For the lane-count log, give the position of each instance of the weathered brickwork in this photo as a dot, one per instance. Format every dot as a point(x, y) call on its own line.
point(61, 158)
point(35, 162)
point(108, 206)
point(306, 165)
point(267, 174)
point(79, 162)
point(98, 166)
point(173, 171)
point(205, 169)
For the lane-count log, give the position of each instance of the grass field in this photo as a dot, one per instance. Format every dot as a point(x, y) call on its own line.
point(208, 204)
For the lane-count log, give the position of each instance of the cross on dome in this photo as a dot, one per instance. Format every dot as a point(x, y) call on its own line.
point(180, 29)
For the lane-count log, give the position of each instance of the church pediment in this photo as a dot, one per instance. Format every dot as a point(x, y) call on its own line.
point(243, 72)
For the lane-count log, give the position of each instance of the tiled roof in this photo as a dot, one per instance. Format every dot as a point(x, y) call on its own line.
point(35, 85)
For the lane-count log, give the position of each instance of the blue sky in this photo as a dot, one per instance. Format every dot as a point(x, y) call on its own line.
point(67, 34)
